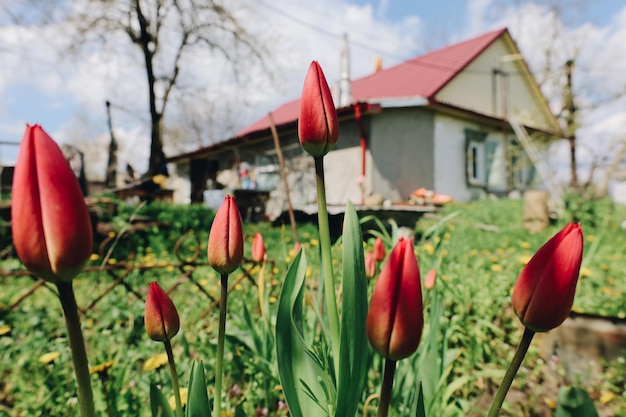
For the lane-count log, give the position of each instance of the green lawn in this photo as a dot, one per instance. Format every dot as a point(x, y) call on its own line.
point(477, 249)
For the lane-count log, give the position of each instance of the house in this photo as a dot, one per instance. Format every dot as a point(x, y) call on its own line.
point(443, 121)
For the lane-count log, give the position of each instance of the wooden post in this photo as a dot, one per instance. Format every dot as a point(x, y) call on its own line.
point(283, 175)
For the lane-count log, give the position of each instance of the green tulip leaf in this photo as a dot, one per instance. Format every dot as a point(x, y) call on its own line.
point(299, 373)
point(197, 396)
point(353, 351)
point(420, 407)
point(158, 404)
point(574, 402)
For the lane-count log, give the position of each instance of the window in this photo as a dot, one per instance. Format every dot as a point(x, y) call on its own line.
point(479, 157)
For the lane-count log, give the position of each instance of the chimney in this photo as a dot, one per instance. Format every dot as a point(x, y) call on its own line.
point(345, 90)
point(378, 63)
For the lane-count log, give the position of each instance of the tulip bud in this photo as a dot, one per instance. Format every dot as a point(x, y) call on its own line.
point(51, 226)
point(395, 318)
point(370, 265)
point(225, 249)
point(161, 318)
point(258, 248)
point(431, 277)
point(544, 292)
point(379, 250)
point(318, 126)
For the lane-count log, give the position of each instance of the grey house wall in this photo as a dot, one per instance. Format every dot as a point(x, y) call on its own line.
point(402, 148)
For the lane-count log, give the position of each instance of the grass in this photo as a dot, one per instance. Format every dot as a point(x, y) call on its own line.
point(478, 249)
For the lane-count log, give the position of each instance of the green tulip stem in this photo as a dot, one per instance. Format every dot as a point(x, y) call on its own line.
point(385, 389)
point(327, 265)
point(217, 408)
point(77, 346)
point(175, 386)
point(511, 371)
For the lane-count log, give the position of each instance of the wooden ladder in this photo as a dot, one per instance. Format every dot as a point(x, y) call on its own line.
point(555, 190)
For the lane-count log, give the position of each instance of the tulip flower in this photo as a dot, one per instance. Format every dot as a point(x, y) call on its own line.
point(51, 226)
point(379, 250)
point(395, 319)
point(370, 265)
point(318, 126)
point(225, 249)
point(431, 277)
point(544, 292)
point(258, 248)
point(161, 318)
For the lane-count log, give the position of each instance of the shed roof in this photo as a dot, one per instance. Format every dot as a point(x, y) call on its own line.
point(422, 76)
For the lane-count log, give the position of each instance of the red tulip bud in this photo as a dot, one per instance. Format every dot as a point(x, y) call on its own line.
point(379, 250)
point(544, 292)
point(395, 319)
point(161, 318)
point(370, 265)
point(50, 221)
point(225, 249)
point(431, 277)
point(258, 248)
point(318, 126)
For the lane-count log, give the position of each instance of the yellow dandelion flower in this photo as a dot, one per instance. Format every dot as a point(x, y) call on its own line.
point(5, 329)
point(111, 234)
point(155, 362)
point(238, 287)
point(227, 413)
point(112, 261)
point(590, 238)
point(551, 403)
point(49, 357)
point(288, 259)
point(274, 282)
point(100, 368)
point(524, 259)
point(309, 271)
point(184, 393)
point(169, 268)
point(607, 397)
point(497, 268)
point(586, 272)
point(473, 252)
point(525, 245)
point(273, 299)
point(444, 252)
point(494, 259)
point(203, 282)
point(314, 242)
point(428, 248)
point(94, 257)
point(275, 270)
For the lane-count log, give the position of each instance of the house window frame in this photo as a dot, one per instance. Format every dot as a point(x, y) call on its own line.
point(476, 158)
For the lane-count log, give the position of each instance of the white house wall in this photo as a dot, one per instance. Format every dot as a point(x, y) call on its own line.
point(179, 182)
point(450, 159)
point(477, 88)
point(401, 148)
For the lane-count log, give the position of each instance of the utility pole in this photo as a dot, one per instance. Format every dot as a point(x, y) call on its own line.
point(111, 174)
point(570, 122)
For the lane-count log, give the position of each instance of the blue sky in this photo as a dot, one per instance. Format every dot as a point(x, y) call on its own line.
point(67, 98)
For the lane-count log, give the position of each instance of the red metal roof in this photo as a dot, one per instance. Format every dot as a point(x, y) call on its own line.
point(422, 76)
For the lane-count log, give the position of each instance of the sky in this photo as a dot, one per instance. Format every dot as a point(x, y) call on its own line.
point(67, 95)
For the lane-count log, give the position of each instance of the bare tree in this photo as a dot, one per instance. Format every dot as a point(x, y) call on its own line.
point(164, 33)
